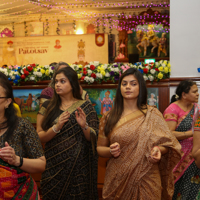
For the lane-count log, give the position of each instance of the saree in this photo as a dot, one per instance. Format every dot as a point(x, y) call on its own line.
point(185, 172)
point(132, 176)
point(71, 160)
point(16, 184)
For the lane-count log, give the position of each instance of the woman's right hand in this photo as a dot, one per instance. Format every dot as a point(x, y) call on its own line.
point(64, 117)
point(115, 149)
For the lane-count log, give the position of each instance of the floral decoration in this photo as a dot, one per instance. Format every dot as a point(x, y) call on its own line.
point(93, 72)
point(32, 72)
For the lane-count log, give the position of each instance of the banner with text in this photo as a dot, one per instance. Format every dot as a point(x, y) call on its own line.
point(47, 49)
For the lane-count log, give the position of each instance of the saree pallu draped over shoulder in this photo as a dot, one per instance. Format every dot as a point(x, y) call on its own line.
point(71, 169)
point(186, 173)
point(186, 144)
point(16, 184)
point(131, 176)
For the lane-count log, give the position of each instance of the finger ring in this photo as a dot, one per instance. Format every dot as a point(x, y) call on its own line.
point(110, 151)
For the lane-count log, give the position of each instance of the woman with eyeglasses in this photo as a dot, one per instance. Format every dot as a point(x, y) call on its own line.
point(21, 151)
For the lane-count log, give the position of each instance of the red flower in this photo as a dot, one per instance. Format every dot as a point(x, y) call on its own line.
point(145, 70)
point(152, 67)
point(85, 72)
point(84, 69)
point(24, 69)
point(92, 67)
point(93, 75)
point(33, 65)
point(82, 78)
point(26, 73)
point(30, 68)
point(179, 194)
point(146, 64)
point(157, 69)
point(23, 76)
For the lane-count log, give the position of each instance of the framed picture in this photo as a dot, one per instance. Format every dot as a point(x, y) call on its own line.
point(101, 99)
point(153, 97)
point(28, 102)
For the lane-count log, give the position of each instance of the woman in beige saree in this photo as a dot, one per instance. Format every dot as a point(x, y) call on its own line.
point(141, 148)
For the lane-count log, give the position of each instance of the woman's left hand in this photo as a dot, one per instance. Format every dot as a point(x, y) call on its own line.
point(7, 153)
point(80, 117)
point(155, 155)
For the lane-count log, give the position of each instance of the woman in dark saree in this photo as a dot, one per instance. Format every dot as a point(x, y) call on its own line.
point(21, 152)
point(180, 117)
point(69, 127)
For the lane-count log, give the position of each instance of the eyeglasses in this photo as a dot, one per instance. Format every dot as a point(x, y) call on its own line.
point(3, 97)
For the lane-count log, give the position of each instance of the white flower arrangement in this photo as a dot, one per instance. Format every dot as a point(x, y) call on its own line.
point(93, 72)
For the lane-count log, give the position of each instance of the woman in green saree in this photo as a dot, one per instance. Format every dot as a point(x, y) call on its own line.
point(69, 127)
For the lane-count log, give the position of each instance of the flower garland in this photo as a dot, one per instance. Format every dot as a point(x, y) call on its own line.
point(93, 72)
point(32, 72)
point(98, 72)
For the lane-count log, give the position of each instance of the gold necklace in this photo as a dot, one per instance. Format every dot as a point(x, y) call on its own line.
point(66, 106)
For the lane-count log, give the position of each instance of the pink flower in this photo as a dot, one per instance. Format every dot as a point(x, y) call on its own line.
point(9, 67)
point(127, 67)
point(124, 68)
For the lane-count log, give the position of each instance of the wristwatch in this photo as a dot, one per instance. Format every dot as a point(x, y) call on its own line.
point(86, 127)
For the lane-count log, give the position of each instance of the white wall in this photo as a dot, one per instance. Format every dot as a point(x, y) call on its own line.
point(184, 38)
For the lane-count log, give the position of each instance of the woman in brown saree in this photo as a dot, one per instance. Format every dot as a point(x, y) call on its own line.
point(141, 148)
point(69, 127)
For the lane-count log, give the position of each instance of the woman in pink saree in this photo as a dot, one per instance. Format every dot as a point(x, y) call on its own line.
point(181, 120)
point(142, 151)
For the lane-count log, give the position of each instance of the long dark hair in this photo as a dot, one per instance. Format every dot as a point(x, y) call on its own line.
point(10, 112)
point(55, 102)
point(184, 86)
point(116, 112)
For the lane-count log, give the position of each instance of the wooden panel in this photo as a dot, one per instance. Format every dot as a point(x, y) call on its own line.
point(177, 80)
point(163, 98)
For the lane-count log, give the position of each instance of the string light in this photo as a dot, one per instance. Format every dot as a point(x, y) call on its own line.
point(109, 19)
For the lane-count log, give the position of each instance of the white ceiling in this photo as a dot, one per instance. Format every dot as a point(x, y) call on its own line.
point(18, 11)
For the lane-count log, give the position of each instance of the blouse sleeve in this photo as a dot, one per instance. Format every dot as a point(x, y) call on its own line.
point(32, 147)
point(102, 139)
point(43, 107)
point(171, 113)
